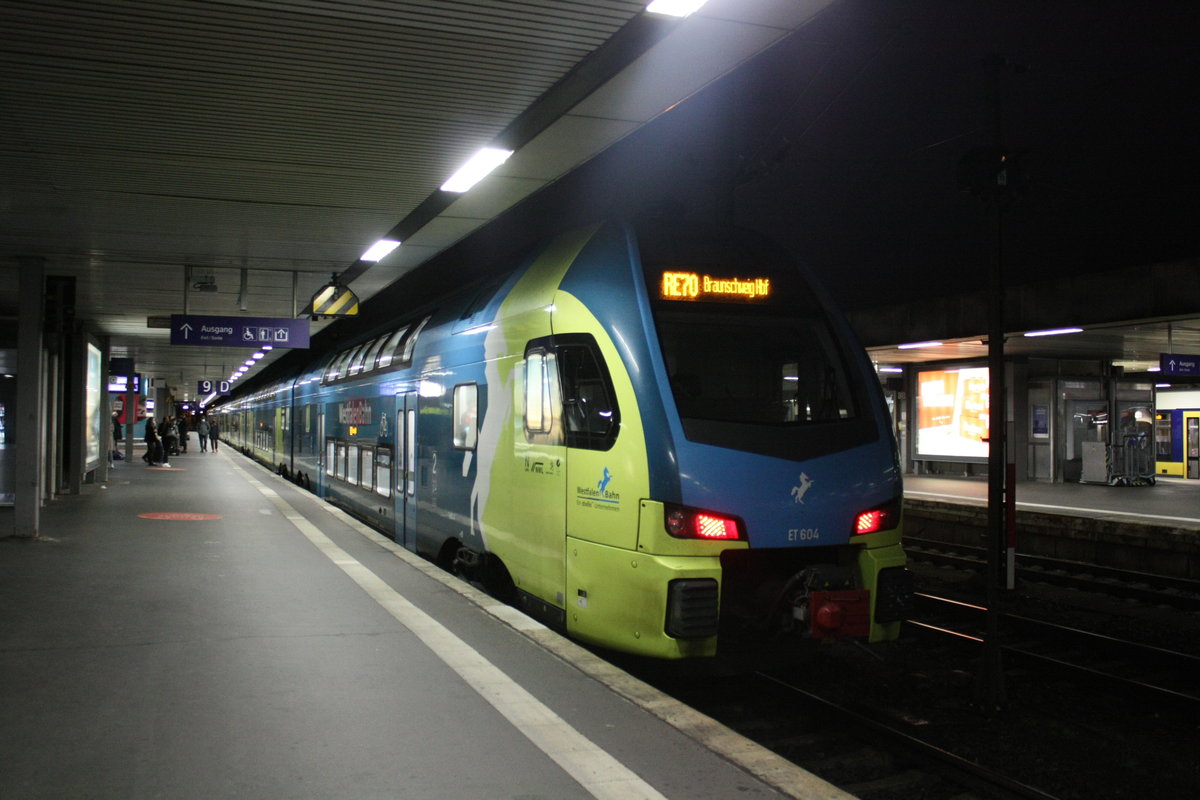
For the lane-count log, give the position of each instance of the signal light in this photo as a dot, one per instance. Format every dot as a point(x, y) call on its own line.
point(691, 523)
point(878, 519)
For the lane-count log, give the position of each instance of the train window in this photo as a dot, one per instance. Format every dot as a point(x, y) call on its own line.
point(366, 468)
point(330, 457)
point(360, 354)
point(410, 450)
point(590, 411)
point(372, 353)
point(538, 414)
point(351, 475)
point(331, 371)
point(337, 369)
point(387, 352)
point(352, 357)
point(410, 342)
point(383, 471)
point(466, 416)
point(762, 369)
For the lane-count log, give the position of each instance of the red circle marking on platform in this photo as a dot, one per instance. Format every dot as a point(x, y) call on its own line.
point(185, 516)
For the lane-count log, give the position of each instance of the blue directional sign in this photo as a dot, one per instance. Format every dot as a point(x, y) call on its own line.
point(1179, 364)
point(239, 331)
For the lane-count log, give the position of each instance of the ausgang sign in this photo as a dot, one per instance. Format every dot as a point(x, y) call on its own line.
point(239, 331)
point(1179, 364)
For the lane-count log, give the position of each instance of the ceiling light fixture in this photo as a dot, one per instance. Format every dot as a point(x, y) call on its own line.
point(675, 8)
point(1054, 332)
point(380, 249)
point(475, 170)
point(915, 345)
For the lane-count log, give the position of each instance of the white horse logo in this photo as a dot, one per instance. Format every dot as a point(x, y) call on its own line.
point(799, 491)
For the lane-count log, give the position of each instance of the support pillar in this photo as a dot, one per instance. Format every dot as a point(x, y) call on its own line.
point(31, 406)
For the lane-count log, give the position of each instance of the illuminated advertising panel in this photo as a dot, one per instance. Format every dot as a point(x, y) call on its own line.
point(952, 413)
point(95, 430)
point(120, 383)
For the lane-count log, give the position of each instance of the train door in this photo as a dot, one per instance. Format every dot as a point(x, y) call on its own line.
point(1192, 446)
point(405, 469)
point(277, 441)
point(538, 481)
point(322, 453)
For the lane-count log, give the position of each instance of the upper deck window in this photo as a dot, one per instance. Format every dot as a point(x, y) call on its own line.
point(359, 357)
point(388, 350)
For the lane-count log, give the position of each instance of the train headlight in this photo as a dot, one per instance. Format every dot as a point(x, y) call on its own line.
point(878, 519)
point(692, 523)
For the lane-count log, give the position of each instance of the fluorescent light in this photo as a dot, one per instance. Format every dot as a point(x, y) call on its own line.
point(915, 345)
point(259, 355)
point(476, 169)
point(1162, 386)
point(675, 8)
point(380, 249)
point(1054, 332)
point(891, 369)
point(1154, 369)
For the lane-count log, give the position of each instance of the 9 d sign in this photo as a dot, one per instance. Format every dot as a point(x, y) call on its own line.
point(209, 387)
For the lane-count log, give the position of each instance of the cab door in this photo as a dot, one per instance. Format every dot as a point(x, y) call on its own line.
point(535, 551)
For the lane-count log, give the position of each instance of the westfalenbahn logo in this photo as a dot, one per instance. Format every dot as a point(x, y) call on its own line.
point(599, 496)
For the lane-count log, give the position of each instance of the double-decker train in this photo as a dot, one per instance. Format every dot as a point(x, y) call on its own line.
point(654, 437)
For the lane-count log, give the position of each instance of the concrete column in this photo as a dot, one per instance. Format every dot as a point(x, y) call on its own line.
point(31, 408)
point(1018, 433)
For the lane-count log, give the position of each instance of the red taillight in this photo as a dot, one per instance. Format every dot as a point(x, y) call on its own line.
point(688, 523)
point(868, 521)
point(877, 519)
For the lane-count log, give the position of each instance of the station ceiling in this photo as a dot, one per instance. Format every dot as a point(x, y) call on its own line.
point(155, 149)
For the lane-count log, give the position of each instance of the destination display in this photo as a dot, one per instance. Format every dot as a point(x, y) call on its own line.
point(693, 286)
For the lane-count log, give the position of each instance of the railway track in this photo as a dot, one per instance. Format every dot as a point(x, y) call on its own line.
point(1132, 668)
point(909, 719)
point(1162, 590)
point(862, 752)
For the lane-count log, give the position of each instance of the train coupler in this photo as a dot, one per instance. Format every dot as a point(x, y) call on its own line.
point(825, 603)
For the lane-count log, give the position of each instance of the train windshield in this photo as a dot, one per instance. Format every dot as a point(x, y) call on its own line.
point(743, 336)
point(756, 368)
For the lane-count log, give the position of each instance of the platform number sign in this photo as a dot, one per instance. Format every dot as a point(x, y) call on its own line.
point(207, 387)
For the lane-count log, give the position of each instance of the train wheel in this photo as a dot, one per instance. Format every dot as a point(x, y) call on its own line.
point(445, 557)
point(497, 581)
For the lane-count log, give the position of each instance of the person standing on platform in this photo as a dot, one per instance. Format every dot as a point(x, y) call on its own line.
point(117, 437)
point(214, 432)
point(153, 455)
point(170, 438)
point(202, 433)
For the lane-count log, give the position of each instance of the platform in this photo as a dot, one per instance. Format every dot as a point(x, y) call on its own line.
point(1171, 502)
point(1153, 529)
point(211, 630)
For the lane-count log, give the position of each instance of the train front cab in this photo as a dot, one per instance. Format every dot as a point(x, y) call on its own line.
point(637, 577)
